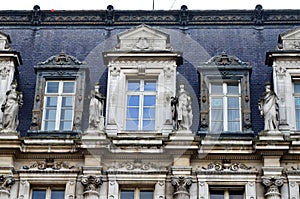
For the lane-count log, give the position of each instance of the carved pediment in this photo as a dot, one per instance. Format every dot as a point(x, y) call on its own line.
point(61, 59)
point(290, 40)
point(143, 38)
point(225, 59)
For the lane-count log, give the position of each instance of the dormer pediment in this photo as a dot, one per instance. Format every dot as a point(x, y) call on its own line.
point(143, 38)
point(290, 40)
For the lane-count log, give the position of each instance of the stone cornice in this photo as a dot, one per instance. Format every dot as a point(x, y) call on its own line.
point(110, 17)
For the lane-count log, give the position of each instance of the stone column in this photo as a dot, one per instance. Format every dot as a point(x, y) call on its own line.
point(24, 189)
point(203, 192)
point(272, 184)
point(113, 188)
point(91, 185)
point(5, 184)
point(70, 190)
point(182, 185)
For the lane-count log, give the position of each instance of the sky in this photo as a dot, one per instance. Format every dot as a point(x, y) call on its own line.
point(147, 4)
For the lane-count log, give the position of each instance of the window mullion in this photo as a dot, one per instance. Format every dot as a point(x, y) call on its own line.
point(225, 108)
point(59, 105)
point(141, 107)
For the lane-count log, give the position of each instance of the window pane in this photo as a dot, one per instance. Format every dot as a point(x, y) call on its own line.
point(51, 101)
point(216, 126)
point(66, 114)
point(49, 125)
point(68, 87)
point(133, 100)
point(132, 125)
point(216, 88)
point(233, 88)
point(297, 102)
point(150, 86)
point(65, 126)
point(57, 194)
point(144, 194)
point(127, 194)
point(133, 113)
point(149, 100)
point(233, 102)
point(297, 87)
point(216, 102)
point(233, 115)
point(149, 113)
point(50, 114)
point(67, 102)
point(233, 126)
point(217, 115)
point(38, 194)
point(52, 87)
point(216, 195)
point(148, 125)
point(236, 195)
point(133, 85)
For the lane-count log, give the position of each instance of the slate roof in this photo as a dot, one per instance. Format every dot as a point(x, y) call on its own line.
point(200, 35)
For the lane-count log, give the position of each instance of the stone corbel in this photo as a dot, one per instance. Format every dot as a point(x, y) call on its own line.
point(182, 185)
point(273, 184)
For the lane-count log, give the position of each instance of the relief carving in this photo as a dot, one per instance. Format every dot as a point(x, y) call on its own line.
point(226, 165)
point(91, 183)
point(4, 70)
point(48, 164)
point(182, 185)
point(273, 183)
point(6, 182)
point(136, 165)
point(61, 59)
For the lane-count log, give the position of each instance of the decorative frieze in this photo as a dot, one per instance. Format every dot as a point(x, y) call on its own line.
point(49, 164)
point(227, 166)
point(182, 185)
point(135, 165)
point(273, 184)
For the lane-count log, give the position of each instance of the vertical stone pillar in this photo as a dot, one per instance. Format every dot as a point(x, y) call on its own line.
point(272, 184)
point(70, 190)
point(160, 187)
point(91, 185)
point(182, 185)
point(113, 188)
point(293, 190)
point(24, 189)
point(203, 190)
point(5, 184)
point(250, 190)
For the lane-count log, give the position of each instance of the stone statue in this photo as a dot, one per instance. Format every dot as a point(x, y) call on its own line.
point(10, 108)
point(268, 106)
point(96, 118)
point(182, 110)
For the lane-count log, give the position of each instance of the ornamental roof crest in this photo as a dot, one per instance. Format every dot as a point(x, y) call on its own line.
point(61, 59)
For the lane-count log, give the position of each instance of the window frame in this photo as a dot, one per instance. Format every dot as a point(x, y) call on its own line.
point(59, 109)
point(48, 191)
point(226, 191)
point(141, 93)
point(136, 191)
point(225, 96)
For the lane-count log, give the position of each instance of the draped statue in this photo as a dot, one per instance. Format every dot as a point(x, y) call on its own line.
point(96, 118)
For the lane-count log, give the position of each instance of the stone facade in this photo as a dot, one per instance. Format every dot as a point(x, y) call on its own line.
point(142, 151)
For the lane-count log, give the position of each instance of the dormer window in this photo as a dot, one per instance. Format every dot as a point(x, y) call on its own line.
point(59, 97)
point(225, 95)
point(141, 82)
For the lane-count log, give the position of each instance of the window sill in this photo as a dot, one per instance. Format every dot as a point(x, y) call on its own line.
point(62, 134)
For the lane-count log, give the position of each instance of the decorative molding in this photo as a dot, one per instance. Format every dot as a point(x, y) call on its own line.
point(136, 165)
point(61, 59)
point(4, 69)
point(225, 59)
point(226, 165)
point(6, 182)
point(48, 164)
point(182, 185)
point(181, 16)
point(91, 183)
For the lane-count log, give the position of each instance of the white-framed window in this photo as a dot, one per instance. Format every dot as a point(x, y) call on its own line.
point(47, 193)
point(136, 193)
point(225, 106)
point(58, 109)
point(141, 104)
point(296, 95)
point(227, 194)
